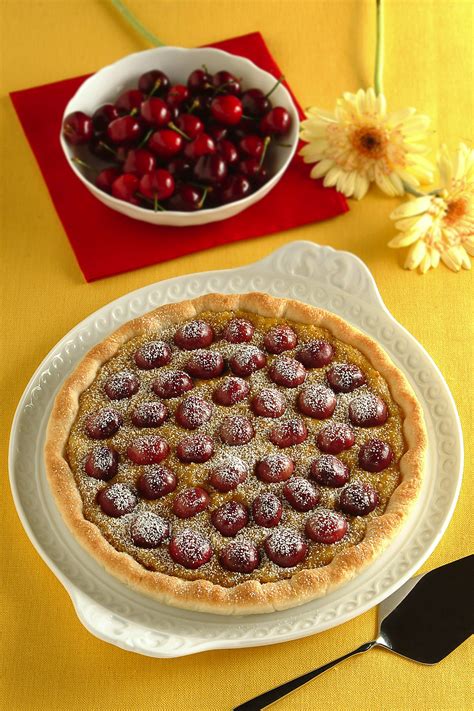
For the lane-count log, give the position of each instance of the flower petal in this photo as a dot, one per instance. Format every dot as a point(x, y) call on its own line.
point(321, 168)
point(412, 207)
point(404, 239)
point(415, 255)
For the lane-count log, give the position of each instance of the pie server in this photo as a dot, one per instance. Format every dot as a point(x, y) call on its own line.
point(424, 620)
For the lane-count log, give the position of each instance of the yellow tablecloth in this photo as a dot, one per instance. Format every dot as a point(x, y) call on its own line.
point(50, 661)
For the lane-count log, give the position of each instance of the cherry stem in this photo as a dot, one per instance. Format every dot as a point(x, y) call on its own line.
point(156, 86)
point(151, 202)
point(193, 106)
point(145, 140)
point(250, 118)
point(173, 127)
point(203, 199)
point(80, 162)
point(266, 143)
point(222, 87)
point(107, 148)
point(282, 78)
point(134, 111)
point(156, 205)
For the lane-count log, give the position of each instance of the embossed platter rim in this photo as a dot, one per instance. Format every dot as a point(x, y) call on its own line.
point(335, 280)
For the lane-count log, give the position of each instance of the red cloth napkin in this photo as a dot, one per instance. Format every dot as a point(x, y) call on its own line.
point(106, 242)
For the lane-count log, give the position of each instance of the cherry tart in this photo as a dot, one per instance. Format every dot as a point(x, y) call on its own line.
point(212, 450)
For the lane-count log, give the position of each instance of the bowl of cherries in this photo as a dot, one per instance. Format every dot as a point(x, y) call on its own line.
point(180, 137)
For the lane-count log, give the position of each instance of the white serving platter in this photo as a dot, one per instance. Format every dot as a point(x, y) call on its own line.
point(337, 281)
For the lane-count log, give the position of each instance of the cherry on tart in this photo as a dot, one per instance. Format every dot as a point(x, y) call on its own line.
point(274, 468)
point(121, 385)
point(286, 547)
point(230, 518)
point(103, 424)
point(193, 335)
point(269, 403)
point(230, 391)
point(195, 449)
point(301, 494)
point(335, 438)
point(375, 455)
point(329, 471)
point(247, 360)
point(326, 526)
point(358, 499)
point(279, 339)
point(289, 433)
point(148, 530)
point(240, 557)
point(368, 410)
point(190, 549)
point(102, 463)
point(152, 354)
point(267, 510)
point(316, 401)
point(117, 500)
point(150, 449)
point(149, 414)
point(227, 474)
point(156, 481)
point(190, 502)
point(193, 412)
point(287, 372)
point(172, 383)
point(236, 430)
point(205, 364)
point(238, 330)
point(345, 377)
point(315, 354)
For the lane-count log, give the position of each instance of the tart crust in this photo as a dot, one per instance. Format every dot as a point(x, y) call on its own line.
point(251, 596)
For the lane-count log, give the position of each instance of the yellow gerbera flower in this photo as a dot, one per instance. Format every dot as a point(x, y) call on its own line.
point(441, 226)
point(361, 143)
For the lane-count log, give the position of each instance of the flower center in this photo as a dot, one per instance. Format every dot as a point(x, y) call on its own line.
point(455, 210)
point(369, 141)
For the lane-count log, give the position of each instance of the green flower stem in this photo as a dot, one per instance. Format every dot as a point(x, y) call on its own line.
point(379, 48)
point(136, 24)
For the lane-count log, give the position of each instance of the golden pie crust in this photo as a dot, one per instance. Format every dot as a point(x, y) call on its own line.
point(252, 595)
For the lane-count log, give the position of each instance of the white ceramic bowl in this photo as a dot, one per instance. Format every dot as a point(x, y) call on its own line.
point(177, 62)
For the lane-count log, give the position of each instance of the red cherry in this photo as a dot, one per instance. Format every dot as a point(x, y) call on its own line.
point(217, 131)
point(227, 109)
point(105, 179)
point(329, 471)
point(368, 410)
point(190, 549)
point(375, 455)
point(345, 377)
point(286, 547)
point(186, 198)
point(236, 430)
point(129, 100)
point(191, 125)
point(228, 152)
point(315, 354)
point(153, 82)
point(117, 500)
point(152, 354)
point(193, 412)
point(251, 145)
point(301, 494)
point(148, 450)
point(255, 103)
point(155, 112)
point(326, 526)
point(202, 145)
point(230, 518)
point(149, 414)
point(235, 187)
point(199, 80)
point(157, 185)
point(276, 123)
point(190, 502)
point(226, 80)
point(103, 149)
point(121, 385)
point(230, 391)
point(287, 372)
point(274, 468)
point(205, 364)
point(210, 169)
point(124, 129)
point(335, 438)
point(289, 433)
point(267, 510)
point(177, 95)
point(102, 463)
point(358, 499)
point(197, 449)
point(240, 557)
point(165, 143)
point(103, 116)
point(193, 335)
point(316, 401)
point(103, 424)
point(228, 474)
point(250, 167)
point(125, 188)
point(269, 403)
point(156, 482)
point(261, 177)
point(238, 330)
point(247, 360)
point(148, 530)
point(180, 168)
point(78, 128)
point(172, 383)
point(280, 338)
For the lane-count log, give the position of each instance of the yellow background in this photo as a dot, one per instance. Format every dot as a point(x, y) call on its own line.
point(325, 47)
